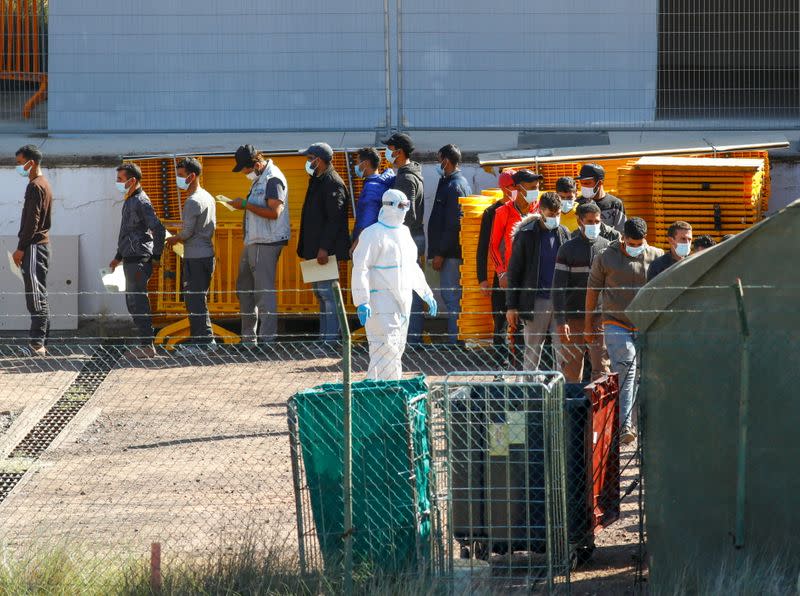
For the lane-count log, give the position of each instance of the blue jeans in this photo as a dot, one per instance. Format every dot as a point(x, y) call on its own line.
point(622, 353)
point(328, 319)
point(450, 287)
point(416, 321)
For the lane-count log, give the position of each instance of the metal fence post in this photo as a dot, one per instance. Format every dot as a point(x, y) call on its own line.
point(347, 534)
point(744, 405)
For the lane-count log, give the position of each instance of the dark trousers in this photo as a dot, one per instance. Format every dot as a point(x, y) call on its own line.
point(136, 277)
point(35, 263)
point(508, 353)
point(197, 275)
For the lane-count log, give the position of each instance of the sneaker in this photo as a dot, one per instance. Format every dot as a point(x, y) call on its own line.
point(33, 352)
point(142, 352)
point(627, 435)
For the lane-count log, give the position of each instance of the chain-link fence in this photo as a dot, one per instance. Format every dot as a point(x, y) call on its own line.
point(498, 479)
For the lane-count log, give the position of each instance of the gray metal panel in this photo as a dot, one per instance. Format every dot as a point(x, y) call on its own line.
point(159, 65)
point(550, 63)
point(62, 286)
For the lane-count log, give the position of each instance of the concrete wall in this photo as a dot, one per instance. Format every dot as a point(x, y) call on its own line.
point(158, 65)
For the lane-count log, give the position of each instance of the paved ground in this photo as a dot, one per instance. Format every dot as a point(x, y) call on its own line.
point(194, 455)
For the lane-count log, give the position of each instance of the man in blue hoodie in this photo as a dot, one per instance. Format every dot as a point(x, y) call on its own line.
point(444, 229)
point(375, 184)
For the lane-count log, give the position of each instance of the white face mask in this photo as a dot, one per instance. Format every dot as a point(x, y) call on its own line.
point(592, 231)
point(532, 196)
point(551, 223)
point(513, 195)
point(389, 156)
point(683, 249)
point(310, 168)
point(588, 192)
point(252, 176)
point(567, 205)
point(181, 183)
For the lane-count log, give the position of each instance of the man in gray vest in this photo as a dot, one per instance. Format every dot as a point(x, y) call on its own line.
point(266, 232)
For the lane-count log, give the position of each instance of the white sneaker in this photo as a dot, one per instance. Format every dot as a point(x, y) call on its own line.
point(627, 435)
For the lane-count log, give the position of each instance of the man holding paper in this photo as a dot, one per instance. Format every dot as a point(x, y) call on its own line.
point(386, 273)
point(199, 221)
point(323, 229)
point(266, 232)
point(139, 248)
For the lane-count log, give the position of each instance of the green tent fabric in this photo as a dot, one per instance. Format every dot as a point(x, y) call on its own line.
point(691, 350)
point(385, 510)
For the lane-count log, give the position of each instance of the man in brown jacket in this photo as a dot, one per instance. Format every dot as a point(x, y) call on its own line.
point(33, 248)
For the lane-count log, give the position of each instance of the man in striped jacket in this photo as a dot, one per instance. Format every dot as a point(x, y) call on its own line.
point(573, 264)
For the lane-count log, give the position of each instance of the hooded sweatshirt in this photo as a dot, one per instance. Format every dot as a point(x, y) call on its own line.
point(409, 182)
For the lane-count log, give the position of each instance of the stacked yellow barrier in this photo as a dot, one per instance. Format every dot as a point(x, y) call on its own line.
point(475, 319)
point(717, 196)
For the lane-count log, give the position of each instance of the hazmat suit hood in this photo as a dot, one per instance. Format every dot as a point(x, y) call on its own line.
point(394, 209)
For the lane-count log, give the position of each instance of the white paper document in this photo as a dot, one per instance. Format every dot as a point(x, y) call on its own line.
point(313, 271)
point(225, 202)
point(12, 266)
point(114, 281)
point(178, 248)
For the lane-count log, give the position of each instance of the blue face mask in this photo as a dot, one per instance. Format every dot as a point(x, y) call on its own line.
point(592, 231)
point(21, 169)
point(181, 183)
point(551, 223)
point(440, 170)
point(389, 155)
point(634, 251)
point(683, 249)
point(359, 171)
point(309, 168)
point(121, 187)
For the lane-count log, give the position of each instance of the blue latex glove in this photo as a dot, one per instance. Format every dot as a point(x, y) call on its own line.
point(433, 308)
point(364, 312)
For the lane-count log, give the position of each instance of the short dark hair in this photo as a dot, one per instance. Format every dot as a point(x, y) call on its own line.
point(587, 208)
point(672, 230)
point(521, 176)
point(550, 200)
point(635, 228)
point(191, 165)
point(30, 153)
point(451, 153)
point(131, 171)
point(371, 155)
point(704, 241)
point(727, 237)
point(565, 184)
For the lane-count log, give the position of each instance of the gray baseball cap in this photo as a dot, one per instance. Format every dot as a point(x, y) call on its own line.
point(321, 150)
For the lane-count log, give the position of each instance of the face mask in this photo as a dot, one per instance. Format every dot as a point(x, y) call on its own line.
point(440, 170)
point(532, 196)
point(310, 168)
point(252, 176)
point(551, 223)
point(359, 171)
point(587, 192)
point(683, 249)
point(592, 231)
point(121, 187)
point(21, 169)
point(389, 156)
point(181, 182)
point(634, 251)
point(513, 195)
point(567, 206)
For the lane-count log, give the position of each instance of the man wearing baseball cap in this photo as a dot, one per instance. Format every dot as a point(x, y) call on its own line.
point(323, 228)
point(612, 211)
point(399, 148)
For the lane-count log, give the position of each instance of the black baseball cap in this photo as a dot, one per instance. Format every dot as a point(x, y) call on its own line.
point(321, 150)
point(401, 141)
point(592, 170)
point(245, 157)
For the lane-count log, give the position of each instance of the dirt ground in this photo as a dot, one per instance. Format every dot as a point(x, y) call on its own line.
point(195, 455)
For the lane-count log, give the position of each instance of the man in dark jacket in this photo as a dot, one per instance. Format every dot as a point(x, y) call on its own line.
point(573, 263)
point(33, 248)
point(323, 229)
point(679, 236)
point(531, 270)
point(444, 228)
point(409, 181)
point(612, 210)
point(139, 248)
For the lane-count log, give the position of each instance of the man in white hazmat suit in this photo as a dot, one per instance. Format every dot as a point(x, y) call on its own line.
point(385, 275)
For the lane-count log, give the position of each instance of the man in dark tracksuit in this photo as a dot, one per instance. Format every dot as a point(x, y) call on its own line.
point(323, 229)
point(139, 248)
point(573, 264)
point(33, 248)
point(409, 182)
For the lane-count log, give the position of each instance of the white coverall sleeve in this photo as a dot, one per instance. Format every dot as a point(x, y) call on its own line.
point(416, 275)
point(363, 257)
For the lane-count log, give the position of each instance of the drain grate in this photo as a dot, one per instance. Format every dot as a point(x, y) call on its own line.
point(8, 480)
point(39, 438)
